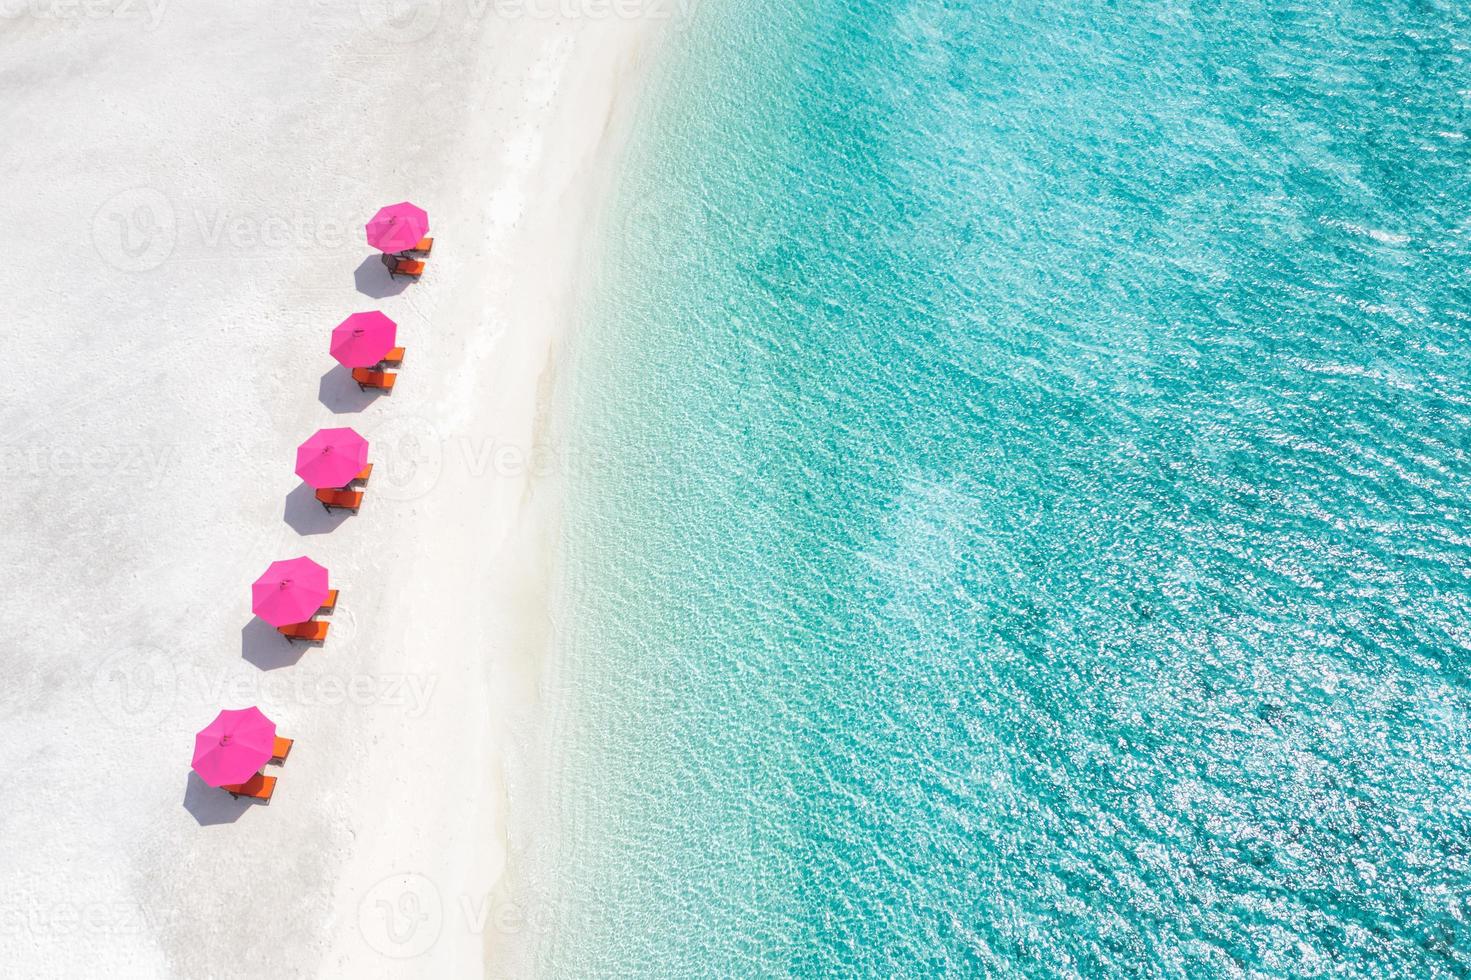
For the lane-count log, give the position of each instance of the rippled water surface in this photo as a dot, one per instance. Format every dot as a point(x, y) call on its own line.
point(1032, 527)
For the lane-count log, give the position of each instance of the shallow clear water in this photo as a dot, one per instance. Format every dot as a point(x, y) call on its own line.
point(1031, 527)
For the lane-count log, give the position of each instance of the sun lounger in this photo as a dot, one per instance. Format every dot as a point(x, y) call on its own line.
point(281, 749)
point(362, 476)
point(425, 246)
point(366, 379)
point(403, 267)
point(311, 631)
point(331, 602)
point(257, 787)
point(340, 499)
point(394, 357)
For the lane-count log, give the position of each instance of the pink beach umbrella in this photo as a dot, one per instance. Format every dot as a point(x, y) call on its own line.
point(289, 592)
point(363, 339)
point(233, 747)
point(331, 458)
point(397, 227)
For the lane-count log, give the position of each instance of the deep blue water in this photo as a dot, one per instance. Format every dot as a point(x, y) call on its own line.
point(1032, 531)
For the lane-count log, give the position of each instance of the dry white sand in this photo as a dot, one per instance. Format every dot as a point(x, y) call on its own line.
point(185, 185)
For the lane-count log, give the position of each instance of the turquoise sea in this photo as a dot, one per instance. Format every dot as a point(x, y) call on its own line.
point(1032, 526)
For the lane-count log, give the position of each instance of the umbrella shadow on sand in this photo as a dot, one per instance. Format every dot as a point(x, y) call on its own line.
point(372, 279)
point(261, 644)
point(305, 514)
point(341, 394)
point(210, 805)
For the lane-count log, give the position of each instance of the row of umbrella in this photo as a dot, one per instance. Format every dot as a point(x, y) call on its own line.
point(364, 339)
point(233, 748)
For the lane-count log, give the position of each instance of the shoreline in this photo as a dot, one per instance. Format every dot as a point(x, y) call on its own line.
point(191, 333)
point(518, 919)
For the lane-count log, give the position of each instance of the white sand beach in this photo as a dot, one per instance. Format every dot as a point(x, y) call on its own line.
point(185, 191)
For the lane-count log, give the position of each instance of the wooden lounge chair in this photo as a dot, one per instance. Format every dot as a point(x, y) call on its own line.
point(281, 749)
point(403, 267)
point(311, 631)
point(340, 499)
point(257, 787)
point(330, 603)
point(394, 357)
point(382, 380)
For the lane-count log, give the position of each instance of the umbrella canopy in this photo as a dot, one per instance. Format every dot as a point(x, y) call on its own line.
point(289, 592)
point(363, 339)
point(233, 747)
point(331, 458)
point(397, 227)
